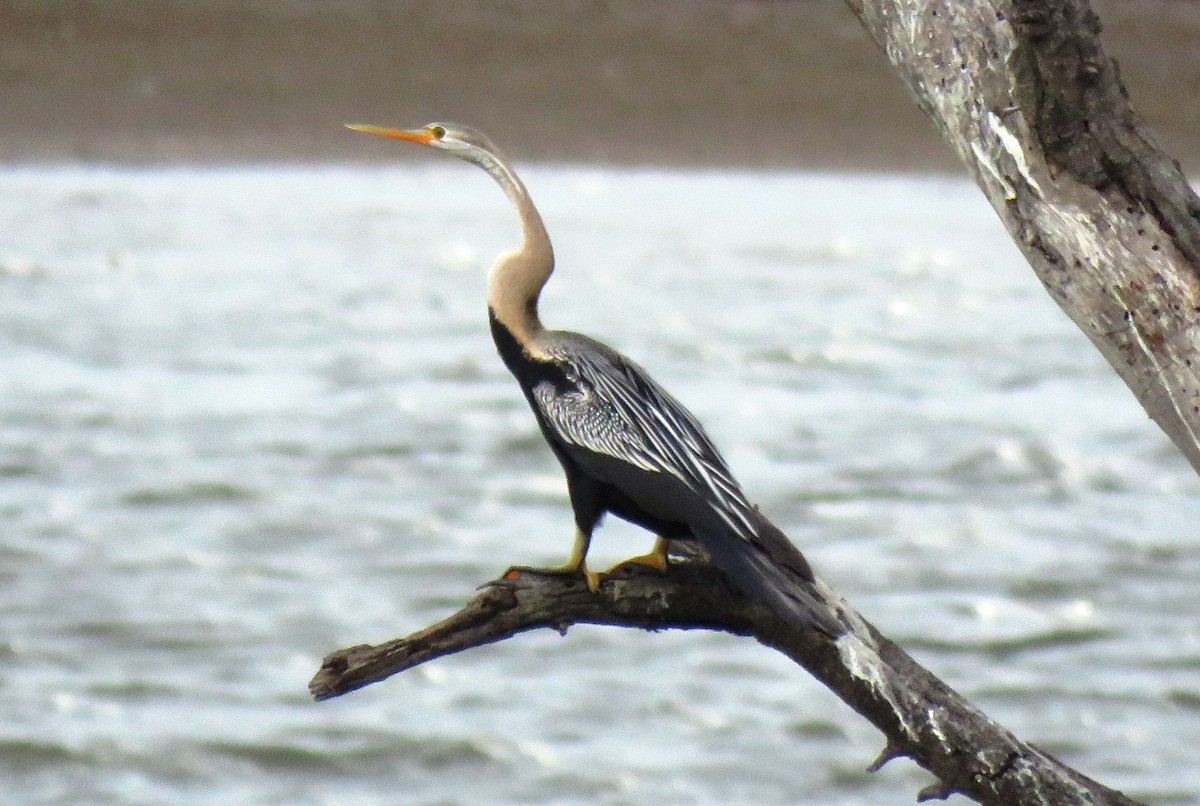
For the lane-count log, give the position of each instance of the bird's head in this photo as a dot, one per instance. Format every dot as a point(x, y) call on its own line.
point(473, 146)
point(462, 141)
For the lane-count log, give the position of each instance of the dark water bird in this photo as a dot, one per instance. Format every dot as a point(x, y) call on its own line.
point(626, 445)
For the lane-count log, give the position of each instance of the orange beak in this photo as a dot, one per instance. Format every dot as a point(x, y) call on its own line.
point(422, 136)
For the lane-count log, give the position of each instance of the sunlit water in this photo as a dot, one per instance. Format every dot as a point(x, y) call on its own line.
point(248, 416)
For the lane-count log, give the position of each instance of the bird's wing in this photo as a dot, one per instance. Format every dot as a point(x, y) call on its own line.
point(613, 407)
point(607, 404)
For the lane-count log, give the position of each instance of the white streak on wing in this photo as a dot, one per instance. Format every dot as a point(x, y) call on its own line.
point(714, 475)
point(582, 421)
point(615, 408)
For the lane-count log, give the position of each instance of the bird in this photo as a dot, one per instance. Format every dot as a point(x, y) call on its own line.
point(626, 446)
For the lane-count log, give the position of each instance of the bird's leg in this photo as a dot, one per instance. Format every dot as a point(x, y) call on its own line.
point(656, 558)
point(575, 564)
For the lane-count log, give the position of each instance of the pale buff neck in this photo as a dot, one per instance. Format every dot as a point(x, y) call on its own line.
point(517, 277)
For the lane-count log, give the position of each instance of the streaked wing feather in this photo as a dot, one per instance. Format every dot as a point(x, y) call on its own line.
point(580, 420)
point(617, 409)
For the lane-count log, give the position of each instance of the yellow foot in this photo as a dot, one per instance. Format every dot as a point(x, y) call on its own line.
point(569, 569)
point(656, 558)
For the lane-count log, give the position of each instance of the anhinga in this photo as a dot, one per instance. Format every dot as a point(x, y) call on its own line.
point(626, 446)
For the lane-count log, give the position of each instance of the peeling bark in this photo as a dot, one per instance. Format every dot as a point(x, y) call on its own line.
point(920, 716)
point(1023, 92)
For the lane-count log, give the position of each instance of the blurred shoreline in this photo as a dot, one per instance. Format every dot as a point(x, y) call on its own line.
point(684, 82)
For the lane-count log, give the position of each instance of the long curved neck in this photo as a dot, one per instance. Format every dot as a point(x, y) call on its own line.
point(517, 277)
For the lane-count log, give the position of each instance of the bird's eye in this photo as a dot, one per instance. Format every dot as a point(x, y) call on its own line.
point(437, 131)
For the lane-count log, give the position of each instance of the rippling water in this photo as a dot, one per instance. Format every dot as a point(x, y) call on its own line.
point(249, 416)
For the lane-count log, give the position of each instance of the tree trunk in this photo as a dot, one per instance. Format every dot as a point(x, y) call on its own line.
point(1025, 95)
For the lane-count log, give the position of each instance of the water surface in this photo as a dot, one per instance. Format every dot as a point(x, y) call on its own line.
point(248, 416)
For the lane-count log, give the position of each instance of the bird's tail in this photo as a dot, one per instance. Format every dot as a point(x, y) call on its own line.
point(772, 570)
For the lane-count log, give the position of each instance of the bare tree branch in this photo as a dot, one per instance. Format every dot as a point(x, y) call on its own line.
point(1024, 93)
point(920, 716)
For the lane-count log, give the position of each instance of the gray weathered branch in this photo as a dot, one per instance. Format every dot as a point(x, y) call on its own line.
point(920, 716)
point(1024, 93)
